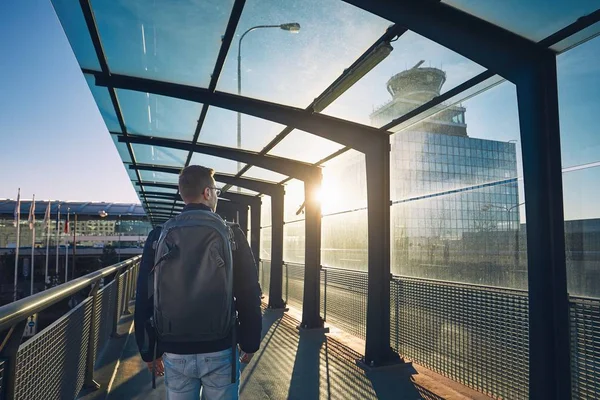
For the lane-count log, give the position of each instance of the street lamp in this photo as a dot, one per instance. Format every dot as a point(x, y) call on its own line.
point(292, 27)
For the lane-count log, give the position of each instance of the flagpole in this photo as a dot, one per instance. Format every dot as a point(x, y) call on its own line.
point(32, 226)
point(67, 246)
point(74, 246)
point(57, 238)
point(18, 222)
point(47, 220)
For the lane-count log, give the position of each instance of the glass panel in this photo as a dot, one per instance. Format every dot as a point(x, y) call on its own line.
point(535, 19)
point(175, 42)
point(73, 23)
point(293, 242)
point(104, 103)
point(131, 173)
point(303, 146)
point(458, 200)
point(581, 190)
point(159, 189)
point(153, 176)
point(579, 101)
point(146, 154)
point(265, 211)
point(220, 128)
point(344, 240)
point(220, 165)
point(122, 149)
point(416, 71)
point(264, 174)
point(265, 243)
point(293, 200)
point(578, 86)
point(152, 115)
point(344, 183)
point(295, 68)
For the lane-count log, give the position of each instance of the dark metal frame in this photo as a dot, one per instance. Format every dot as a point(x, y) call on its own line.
point(532, 68)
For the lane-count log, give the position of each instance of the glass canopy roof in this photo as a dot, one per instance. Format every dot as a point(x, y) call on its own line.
point(183, 99)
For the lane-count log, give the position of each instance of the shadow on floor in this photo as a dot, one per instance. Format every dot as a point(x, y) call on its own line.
point(290, 364)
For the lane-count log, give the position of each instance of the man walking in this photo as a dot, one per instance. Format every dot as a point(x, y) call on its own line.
point(206, 297)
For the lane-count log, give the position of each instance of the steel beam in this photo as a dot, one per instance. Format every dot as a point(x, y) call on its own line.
point(255, 217)
point(503, 52)
point(338, 130)
point(236, 197)
point(296, 169)
point(256, 185)
point(311, 305)
point(549, 342)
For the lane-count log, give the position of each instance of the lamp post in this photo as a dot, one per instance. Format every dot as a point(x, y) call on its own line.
point(292, 27)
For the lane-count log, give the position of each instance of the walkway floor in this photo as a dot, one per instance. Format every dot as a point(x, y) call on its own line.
point(289, 365)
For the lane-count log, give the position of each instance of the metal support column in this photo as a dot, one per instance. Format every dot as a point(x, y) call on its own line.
point(243, 218)
point(549, 347)
point(255, 231)
point(311, 305)
point(377, 349)
point(116, 310)
point(275, 288)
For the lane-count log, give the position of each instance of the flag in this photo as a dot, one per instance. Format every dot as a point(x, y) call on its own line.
point(31, 218)
point(47, 216)
point(58, 218)
point(17, 212)
point(67, 222)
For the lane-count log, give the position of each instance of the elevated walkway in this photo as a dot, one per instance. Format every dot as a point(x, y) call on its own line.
point(290, 364)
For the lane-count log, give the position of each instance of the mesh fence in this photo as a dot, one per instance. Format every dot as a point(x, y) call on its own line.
point(293, 284)
point(265, 274)
point(585, 348)
point(121, 292)
point(104, 317)
point(52, 364)
point(345, 299)
point(474, 335)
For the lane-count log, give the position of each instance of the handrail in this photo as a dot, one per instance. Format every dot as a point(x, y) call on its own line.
point(11, 314)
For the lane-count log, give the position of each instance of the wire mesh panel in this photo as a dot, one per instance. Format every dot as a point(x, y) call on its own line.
point(345, 300)
point(293, 280)
point(475, 335)
point(104, 317)
point(121, 292)
point(52, 364)
point(585, 348)
point(265, 275)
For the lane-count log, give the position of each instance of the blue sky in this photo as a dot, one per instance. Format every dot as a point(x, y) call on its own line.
point(60, 146)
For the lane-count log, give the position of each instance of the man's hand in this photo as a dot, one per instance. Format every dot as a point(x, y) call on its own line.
point(245, 358)
point(160, 367)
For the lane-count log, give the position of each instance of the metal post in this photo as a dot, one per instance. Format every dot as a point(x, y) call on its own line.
point(549, 346)
point(377, 349)
point(255, 210)
point(74, 247)
point(116, 310)
point(311, 313)
point(119, 259)
point(8, 353)
point(126, 292)
point(275, 295)
point(287, 283)
point(89, 383)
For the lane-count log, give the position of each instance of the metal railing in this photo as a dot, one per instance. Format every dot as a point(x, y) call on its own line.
point(58, 362)
point(475, 335)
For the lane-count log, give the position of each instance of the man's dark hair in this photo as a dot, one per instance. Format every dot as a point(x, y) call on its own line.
point(193, 180)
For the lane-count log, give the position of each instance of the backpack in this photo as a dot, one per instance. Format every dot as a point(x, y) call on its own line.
point(193, 279)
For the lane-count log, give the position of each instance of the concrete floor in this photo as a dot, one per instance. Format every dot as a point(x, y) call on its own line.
point(291, 364)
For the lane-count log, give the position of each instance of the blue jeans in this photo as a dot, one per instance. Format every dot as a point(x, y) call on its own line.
point(188, 375)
